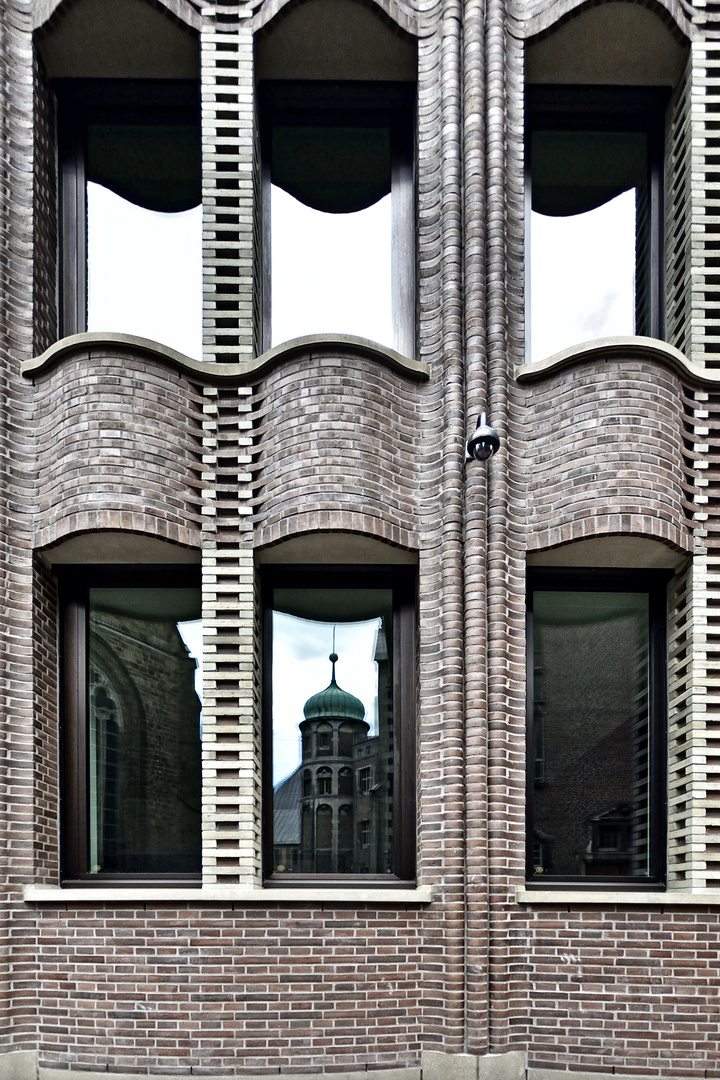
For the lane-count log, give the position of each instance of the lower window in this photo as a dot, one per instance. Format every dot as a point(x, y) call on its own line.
point(596, 725)
point(338, 703)
point(131, 662)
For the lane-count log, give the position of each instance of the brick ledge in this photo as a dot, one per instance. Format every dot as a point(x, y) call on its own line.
point(240, 373)
point(619, 348)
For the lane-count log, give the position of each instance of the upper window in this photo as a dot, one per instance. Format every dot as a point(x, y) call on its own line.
point(596, 725)
point(131, 782)
point(338, 210)
point(339, 690)
point(594, 184)
point(131, 221)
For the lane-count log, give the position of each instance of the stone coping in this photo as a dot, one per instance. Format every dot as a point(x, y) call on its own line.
point(604, 897)
point(572, 1074)
point(24, 1065)
point(46, 1073)
point(619, 348)
point(240, 373)
point(100, 894)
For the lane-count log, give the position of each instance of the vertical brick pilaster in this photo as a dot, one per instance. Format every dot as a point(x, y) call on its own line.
point(231, 738)
point(705, 193)
point(17, 1010)
point(228, 137)
point(231, 735)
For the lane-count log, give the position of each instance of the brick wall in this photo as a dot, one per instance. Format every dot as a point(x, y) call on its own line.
point(604, 453)
point(617, 990)
point(118, 443)
point(112, 439)
point(254, 989)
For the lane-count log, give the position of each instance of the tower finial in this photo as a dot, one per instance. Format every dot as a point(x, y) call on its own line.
point(333, 657)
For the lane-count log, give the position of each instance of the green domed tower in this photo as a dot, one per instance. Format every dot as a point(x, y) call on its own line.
point(334, 724)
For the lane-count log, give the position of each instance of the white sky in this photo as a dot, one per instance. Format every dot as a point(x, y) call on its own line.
point(145, 271)
point(301, 668)
point(582, 276)
point(192, 634)
point(331, 273)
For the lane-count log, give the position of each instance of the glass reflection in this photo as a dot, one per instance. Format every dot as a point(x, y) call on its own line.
point(333, 760)
point(589, 242)
point(144, 271)
point(591, 733)
point(331, 272)
point(144, 710)
point(582, 276)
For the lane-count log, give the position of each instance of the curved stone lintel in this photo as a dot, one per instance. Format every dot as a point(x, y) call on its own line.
point(181, 9)
point(397, 10)
point(619, 348)
point(241, 373)
point(545, 15)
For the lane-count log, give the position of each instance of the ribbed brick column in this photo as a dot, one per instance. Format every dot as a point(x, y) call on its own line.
point(17, 748)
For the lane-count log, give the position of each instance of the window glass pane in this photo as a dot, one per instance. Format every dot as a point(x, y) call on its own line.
point(332, 723)
point(589, 239)
point(144, 713)
point(591, 742)
point(331, 273)
point(144, 271)
point(582, 276)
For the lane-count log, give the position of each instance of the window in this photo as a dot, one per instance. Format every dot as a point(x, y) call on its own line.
point(338, 662)
point(364, 781)
point(131, 222)
point(324, 782)
point(595, 167)
point(596, 725)
point(132, 682)
point(338, 210)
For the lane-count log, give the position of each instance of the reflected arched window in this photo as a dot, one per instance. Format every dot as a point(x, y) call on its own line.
point(345, 782)
point(323, 846)
point(324, 781)
point(345, 839)
point(346, 740)
point(323, 740)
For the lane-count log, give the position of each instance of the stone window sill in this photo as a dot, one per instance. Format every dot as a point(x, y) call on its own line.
point(50, 894)
point(605, 897)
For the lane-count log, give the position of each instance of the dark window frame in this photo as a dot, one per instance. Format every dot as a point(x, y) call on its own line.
point(313, 100)
point(74, 585)
point(82, 102)
point(610, 108)
point(403, 582)
point(654, 583)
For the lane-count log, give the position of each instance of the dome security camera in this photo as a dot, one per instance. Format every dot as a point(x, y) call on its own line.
point(483, 443)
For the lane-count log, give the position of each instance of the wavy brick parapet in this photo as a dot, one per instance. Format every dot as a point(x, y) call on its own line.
point(605, 452)
point(118, 447)
point(336, 436)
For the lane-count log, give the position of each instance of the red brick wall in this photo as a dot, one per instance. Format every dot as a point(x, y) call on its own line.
point(617, 990)
point(254, 989)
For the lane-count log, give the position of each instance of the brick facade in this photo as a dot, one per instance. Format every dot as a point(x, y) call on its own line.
point(128, 452)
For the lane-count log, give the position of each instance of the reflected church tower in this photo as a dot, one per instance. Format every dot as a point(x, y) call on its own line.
point(333, 815)
point(334, 723)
